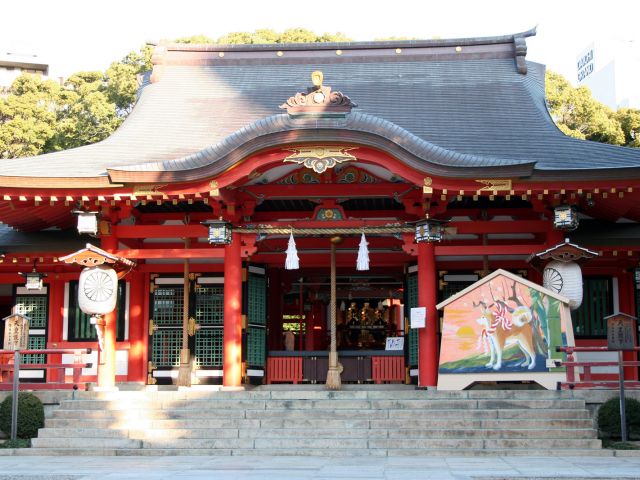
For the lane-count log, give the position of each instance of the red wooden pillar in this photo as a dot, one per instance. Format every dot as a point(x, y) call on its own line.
point(627, 305)
point(107, 358)
point(56, 307)
point(427, 296)
point(137, 338)
point(232, 373)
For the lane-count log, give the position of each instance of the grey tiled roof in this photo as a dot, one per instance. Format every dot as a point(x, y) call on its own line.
point(440, 113)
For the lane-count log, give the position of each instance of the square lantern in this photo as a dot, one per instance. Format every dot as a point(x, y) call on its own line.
point(219, 232)
point(565, 217)
point(429, 231)
point(87, 222)
point(33, 280)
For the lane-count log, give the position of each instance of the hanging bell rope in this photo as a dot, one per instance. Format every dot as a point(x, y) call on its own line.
point(363, 254)
point(292, 262)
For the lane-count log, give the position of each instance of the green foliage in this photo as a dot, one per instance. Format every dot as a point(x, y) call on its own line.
point(629, 119)
point(606, 443)
point(609, 418)
point(202, 39)
point(28, 116)
point(291, 35)
point(579, 115)
point(17, 443)
point(30, 415)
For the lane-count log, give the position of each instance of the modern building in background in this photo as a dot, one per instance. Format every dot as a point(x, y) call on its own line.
point(12, 65)
point(611, 69)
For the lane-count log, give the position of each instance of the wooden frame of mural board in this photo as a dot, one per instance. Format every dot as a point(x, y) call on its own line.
point(535, 321)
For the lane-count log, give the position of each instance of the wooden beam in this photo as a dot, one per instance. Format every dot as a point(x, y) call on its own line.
point(465, 250)
point(172, 253)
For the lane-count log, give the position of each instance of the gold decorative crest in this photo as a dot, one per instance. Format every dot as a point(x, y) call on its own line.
point(495, 185)
point(319, 157)
point(426, 188)
point(141, 190)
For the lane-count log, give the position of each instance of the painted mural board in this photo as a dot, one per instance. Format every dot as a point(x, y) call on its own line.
point(503, 328)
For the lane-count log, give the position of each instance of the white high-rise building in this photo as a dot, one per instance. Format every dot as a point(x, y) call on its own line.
point(611, 69)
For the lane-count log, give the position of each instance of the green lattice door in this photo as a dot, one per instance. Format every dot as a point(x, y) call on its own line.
point(255, 295)
point(165, 329)
point(206, 307)
point(35, 305)
point(209, 314)
point(411, 301)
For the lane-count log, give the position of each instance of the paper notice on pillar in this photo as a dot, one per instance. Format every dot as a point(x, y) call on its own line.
point(418, 317)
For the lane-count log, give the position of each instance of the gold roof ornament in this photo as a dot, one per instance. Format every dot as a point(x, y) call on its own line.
point(319, 100)
point(319, 158)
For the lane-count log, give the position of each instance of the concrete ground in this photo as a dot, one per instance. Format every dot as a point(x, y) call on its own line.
point(303, 468)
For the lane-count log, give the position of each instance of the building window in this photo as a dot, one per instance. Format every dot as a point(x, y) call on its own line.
point(597, 303)
point(80, 328)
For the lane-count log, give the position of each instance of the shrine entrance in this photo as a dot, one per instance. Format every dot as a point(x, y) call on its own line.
point(369, 311)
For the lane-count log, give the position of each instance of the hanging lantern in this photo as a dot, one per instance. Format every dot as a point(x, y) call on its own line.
point(98, 290)
point(564, 278)
point(562, 274)
point(33, 279)
point(363, 254)
point(219, 231)
point(428, 230)
point(87, 222)
point(565, 217)
point(292, 262)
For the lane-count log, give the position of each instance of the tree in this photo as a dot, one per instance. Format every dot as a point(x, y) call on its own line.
point(87, 115)
point(578, 114)
point(629, 119)
point(123, 78)
point(291, 35)
point(28, 116)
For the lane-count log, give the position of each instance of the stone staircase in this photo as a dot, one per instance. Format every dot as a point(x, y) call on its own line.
point(296, 421)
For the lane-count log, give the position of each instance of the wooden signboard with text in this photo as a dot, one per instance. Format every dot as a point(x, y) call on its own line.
point(620, 332)
point(16, 332)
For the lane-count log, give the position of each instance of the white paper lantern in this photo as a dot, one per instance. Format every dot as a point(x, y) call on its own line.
point(98, 290)
point(564, 278)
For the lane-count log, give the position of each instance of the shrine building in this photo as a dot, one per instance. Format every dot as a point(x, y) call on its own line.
point(236, 159)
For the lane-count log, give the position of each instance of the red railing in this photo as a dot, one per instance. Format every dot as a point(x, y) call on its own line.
point(284, 369)
point(387, 369)
point(8, 367)
point(585, 378)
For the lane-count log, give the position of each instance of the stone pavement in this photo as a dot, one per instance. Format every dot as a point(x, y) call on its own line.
point(314, 468)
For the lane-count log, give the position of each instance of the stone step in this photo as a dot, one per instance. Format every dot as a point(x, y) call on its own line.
point(496, 443)
point(102, 423)
point(319, 392)
point(227, 403)
point(502, 404)
point(206, 443)
point(135, 414)
point(394, 423)
point(85, 442)
point(515, 413)
point(326, 413)
point(334, 403)
point(523, 433)
point(330, 452)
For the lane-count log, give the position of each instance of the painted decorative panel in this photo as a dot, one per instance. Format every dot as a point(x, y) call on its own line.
point(504, 324)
